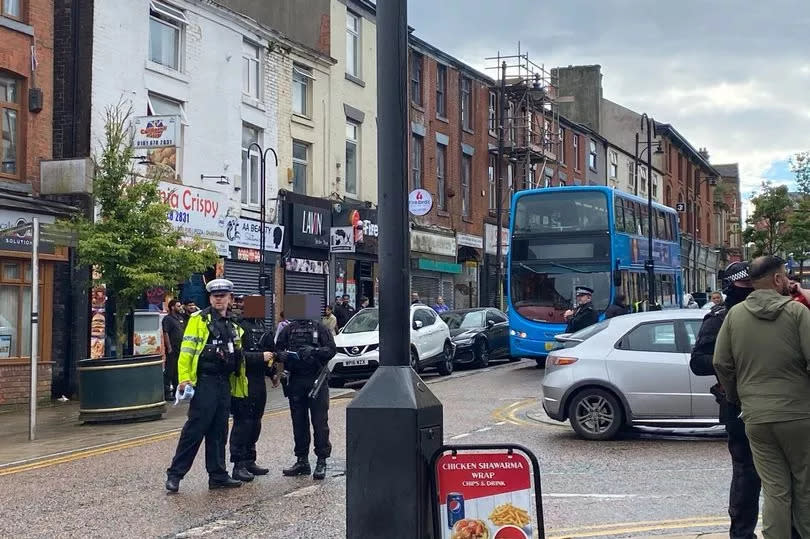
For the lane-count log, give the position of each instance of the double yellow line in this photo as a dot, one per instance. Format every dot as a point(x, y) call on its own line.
point(509, 413)
point(624, 528)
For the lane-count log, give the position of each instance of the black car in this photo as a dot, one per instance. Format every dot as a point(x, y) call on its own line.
point(479, 335)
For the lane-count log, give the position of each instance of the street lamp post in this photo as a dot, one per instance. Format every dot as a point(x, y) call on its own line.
point(263, 278)
point(648, 124)
point(712, 181)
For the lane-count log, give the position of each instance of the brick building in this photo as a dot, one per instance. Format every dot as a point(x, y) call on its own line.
point(728, 213)
point(449, 148)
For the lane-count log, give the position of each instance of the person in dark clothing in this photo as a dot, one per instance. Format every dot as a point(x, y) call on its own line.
point(341, 311)
point(314, 346)
point(618, 307)
point(174, 325)
point(584, 315)
point(257, 350)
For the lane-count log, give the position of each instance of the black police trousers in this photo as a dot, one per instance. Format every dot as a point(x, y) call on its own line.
point(207, 418)
point(247, 420)
point(303, 409)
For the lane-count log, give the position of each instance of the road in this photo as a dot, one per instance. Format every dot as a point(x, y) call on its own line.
point(635, 486)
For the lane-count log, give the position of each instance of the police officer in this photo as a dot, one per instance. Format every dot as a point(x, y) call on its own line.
point(211, 362)
point(257, 350)
point(314, 346)
point(584, 315)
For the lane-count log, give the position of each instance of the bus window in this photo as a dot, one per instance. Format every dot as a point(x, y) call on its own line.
point(561, 212)
point(643, 227)
point(630, 217)
point(618, 213)
point(660, 219)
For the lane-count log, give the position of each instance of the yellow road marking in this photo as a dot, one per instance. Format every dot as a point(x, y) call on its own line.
point(507, 413)
point(646, 528)
point(685, 522)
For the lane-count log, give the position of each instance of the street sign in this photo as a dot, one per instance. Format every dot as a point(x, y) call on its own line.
point(680, 206)
point(420, 201)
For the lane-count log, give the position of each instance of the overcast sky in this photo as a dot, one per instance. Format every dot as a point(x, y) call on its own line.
point(730, 75)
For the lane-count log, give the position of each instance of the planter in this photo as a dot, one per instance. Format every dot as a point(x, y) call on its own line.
point(112, 389)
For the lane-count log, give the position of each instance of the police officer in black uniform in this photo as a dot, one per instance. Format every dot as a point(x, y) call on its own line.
point(584, 315)
point(314, 346)
point(258, 347)
point(211, 362)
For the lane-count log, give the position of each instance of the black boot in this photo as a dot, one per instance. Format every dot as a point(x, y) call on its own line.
point(241, 473)
point(172, 484)
point(256, 470)
point(225, 482)
point(320, 469)
point(301, 467)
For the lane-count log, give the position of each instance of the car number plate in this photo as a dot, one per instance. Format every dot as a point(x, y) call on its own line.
point(549, 346)
point(355, 362)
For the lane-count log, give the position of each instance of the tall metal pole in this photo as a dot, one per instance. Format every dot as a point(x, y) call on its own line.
point(499, 188)
point(650, 259)
point(635, 169)
point(694, 243)
point(262, 208)
point(32, 409)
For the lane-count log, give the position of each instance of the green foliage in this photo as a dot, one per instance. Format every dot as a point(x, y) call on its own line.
point(797, 241)
point(800, 166)
point(131, 243)
point(767, 224)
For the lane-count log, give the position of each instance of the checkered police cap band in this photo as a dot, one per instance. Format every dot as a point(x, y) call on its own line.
point(739, 276)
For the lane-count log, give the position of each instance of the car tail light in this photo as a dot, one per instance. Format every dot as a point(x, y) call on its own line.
point(559, 360)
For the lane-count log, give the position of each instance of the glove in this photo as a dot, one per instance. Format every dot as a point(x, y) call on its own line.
point(306, 352)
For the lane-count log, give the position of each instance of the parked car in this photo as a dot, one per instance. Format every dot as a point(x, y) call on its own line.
point(629, 370)
point(478, 334)
point(358, 354)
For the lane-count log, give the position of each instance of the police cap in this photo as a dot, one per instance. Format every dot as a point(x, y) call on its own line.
point(219, 286)
point(584, 290)
point(736, 271)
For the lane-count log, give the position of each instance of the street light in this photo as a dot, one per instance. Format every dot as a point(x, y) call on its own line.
point(712, 181)
point(263, 278)
point(648, 124)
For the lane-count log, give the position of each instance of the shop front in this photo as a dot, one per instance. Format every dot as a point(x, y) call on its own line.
point(306, 262)
point(353, 245)
point(489, 275)
point(466, 288)
point(434, 269)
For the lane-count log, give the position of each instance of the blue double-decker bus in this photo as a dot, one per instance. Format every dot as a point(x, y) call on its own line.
point(564, 237)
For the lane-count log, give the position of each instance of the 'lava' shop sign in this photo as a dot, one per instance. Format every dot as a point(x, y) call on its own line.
point(311, 226)
point(197, 213)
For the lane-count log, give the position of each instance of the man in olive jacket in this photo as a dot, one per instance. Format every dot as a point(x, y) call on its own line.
point(761, 359)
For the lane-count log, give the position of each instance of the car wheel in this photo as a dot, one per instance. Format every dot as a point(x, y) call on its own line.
point(336, 383)
point(595, 414)
point(414, 360)
point(541, 362)
point(481, 352)
point(446, 366)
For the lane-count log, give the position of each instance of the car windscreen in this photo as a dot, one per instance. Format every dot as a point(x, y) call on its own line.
point(469, 320)
point(365, 320)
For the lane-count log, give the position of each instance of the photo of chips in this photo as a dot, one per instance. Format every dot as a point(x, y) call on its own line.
point(507, 513)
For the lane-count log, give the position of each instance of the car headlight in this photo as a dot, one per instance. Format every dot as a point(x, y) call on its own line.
point(463, 342)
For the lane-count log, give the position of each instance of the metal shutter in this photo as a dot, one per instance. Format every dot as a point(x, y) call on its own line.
point(429, 288)
point(306, 283)
point(449, 293)
point(245, 279)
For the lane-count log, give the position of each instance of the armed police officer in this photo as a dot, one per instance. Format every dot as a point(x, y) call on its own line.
point(584, 315)
point(211, 363)
point(257, 350)
point(305, 347)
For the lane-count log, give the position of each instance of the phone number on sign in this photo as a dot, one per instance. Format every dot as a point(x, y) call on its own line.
point(179, 216)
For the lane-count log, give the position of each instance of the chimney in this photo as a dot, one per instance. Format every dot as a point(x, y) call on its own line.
point(704, 153)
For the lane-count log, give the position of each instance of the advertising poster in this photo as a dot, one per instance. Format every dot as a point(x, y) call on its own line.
point(341, 239)
point(486, 496)
point(5, 345)
point(98, 321)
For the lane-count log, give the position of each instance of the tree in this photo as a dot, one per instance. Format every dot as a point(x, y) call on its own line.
point(800, 166)
point(131, 243)
point(767, 224)
point(797, 240)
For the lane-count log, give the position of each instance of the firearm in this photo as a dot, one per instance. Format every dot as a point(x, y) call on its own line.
point(322, 376)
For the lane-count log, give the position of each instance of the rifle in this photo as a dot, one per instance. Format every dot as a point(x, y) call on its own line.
point(323, 374)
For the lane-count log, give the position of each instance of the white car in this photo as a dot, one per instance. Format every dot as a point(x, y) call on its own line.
point(358, 354)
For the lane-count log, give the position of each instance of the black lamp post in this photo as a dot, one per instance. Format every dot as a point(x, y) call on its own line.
point(712, 181)
point(648, 124)
point(263, 277)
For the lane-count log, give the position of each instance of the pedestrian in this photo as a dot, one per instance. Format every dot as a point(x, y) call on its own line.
point(689, 302)
point(761, 359)
point(330, 321)
point(618, 307)
point(174, 325)
point(799, 294)
point(282, 323)
point(257, 350)
point(743, 500)
point(211, 362)
point(440, 306)
point(345, 313)
point(415, 298)
point(584, 315)
point(314, 347)
point(189, 308)
point(364, 302)
point(717, 298)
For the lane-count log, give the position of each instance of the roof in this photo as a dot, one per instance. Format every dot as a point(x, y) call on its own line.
point(34, 204)
point(732, 170)
point(682, 143)
point(426, 48)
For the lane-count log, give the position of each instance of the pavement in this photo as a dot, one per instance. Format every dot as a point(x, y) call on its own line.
point(655, 486)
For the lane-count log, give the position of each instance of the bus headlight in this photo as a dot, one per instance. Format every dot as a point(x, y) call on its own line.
point(521, 334)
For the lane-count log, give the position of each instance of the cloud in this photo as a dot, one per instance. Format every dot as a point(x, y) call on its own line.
point(731, 77)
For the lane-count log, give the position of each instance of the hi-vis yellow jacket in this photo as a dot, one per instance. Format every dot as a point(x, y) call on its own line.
point(194, 339)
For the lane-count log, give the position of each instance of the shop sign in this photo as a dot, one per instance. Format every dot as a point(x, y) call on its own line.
point(23, 241)
point(246, 233)
point(468, 240)
point(155, 131)
point(486, 495)
point(341, 239)
point(437, 265)
point(248, 255)
point(311, 226)
point(425, 242)
point(490, 240)
point(303, 265)
point(363, 228)
point(197, 213)
point(420, 201)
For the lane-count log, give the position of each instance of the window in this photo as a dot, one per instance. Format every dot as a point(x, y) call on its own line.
point(657, 337)
point(496, 317)
point(416, 78)
point(562, 146)
point(466, 103)
point(441, 175)
point(592, 154)
point(668, 196)
point(466, 171)
point(642, 172)
point(493, 195)
point(15, 306)
point(301, 81)
point(12, 8)
point(9, 126)
point(547, 145)
point(352, 143)
point(166, 26)
point(631, 175)
point(576, 152)
point(655, 185)
point(548, 176)
point(300, 160)
point(417, 158)
point(426, 316)
point(692, 330)
point(352, 44)
point(251, 62)
point(493, 117)
point(512, 124)
point(250, 165)
point(441, 90)
point(614, 165)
